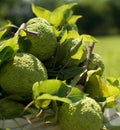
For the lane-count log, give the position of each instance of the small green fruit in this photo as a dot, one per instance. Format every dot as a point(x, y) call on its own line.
point(86, 115)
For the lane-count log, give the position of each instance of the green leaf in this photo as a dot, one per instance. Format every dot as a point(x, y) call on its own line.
point(71, 27)
point(54, 87)
point(64, 36)
point(8, 49)
point(77, 78)
point(95, 86)
point(2, 33)
point(74, 19)
point(68, 49)
point(114, 91)
point(113, 86)
point(93, 72)
point(61, 50)
point(112, 81)
point(46, 98)
point(57, 32)
point(8, 25)
point(58, 15)
point(41, 12)
point(79, 53)
point(50, 90)
point(88, 38)
point(66, 16)
point(23, 41)
point(71, 72)
point(76, 95)
point(73, 34)
point(35, 89)
point(110, 102)
point(74, 49)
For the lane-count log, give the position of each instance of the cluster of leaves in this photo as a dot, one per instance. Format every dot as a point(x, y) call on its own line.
point(52, 92)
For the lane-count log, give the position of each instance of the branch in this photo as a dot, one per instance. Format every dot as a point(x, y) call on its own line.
point(84, 76)
point(23, 27)
point(90, 49)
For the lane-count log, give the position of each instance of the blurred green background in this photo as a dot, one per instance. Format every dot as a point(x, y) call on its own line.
point(101, 19)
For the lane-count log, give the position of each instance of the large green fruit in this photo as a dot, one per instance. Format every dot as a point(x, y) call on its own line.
point(96, 61)
point(18, 76)
point(73, 56)
point(86, 115)
point(44, 45)
point(10, 109)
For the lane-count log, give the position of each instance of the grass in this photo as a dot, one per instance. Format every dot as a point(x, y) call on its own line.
point(109, 48)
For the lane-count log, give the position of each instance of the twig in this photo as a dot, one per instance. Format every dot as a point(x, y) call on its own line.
point(90, 49)
point(23, 27)
point(84, 76)
point(28, 120)
point(28, 105)
point(39, 113)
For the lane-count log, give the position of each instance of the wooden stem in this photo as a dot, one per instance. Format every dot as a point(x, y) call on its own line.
point(84, 76)
point(23, 27)
point(90, 49)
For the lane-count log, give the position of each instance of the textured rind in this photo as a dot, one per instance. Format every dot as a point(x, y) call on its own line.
point(66, 47)
point(43, 46)
point(87, 115)
point(19, 76)
point(36, 20)
point(96, 61)
point(10, 109)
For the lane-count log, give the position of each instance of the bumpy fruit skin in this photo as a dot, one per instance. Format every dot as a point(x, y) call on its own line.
point(96, 61)
point(18, 76)
point(10, 109)
point(37, 20)
point(87, 115)
point(80, 54)
point(43, 46)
